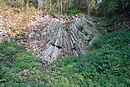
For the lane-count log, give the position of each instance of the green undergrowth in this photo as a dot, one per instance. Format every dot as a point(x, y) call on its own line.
point(14, 58)
point(107, 65)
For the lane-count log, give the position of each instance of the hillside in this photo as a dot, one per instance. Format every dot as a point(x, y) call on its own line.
point(56, 50)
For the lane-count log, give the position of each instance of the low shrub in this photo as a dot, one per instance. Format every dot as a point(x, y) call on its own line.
point(107, 65)
point(14, 59)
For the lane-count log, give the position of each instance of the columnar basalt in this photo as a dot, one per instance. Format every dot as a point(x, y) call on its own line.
point(56, 37)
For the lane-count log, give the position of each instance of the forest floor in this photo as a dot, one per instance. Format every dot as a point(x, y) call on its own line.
point(106, 65)
point(114, 24)
point(49, 36)
point(14, 20)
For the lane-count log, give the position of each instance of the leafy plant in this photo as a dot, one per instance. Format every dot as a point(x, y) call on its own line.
point(107, 65)
point(14, 58)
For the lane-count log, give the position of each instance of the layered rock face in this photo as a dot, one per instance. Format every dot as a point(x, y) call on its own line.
point(56, 37)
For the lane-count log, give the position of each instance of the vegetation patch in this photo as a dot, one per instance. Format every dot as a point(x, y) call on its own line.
point(107, 65)
point(18, 66)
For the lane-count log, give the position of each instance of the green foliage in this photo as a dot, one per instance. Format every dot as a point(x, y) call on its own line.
point(113, 40)
point(1, 1)
point(111, 10)
point(72, 10)
point(110, 7)
point(14, 58)
point(128, 29)
point(107, 65)
point(112, 20)
point(100, 28)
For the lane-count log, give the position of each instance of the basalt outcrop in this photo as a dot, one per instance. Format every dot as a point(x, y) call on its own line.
point(55, 37)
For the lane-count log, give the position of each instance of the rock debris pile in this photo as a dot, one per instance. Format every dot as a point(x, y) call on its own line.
point(52, 37)
point(3, 33)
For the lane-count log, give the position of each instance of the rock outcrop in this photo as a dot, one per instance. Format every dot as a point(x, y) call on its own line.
point(53, 37)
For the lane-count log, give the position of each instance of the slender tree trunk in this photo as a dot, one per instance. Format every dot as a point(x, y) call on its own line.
point(61, 7)
point(50, 6)
point(88, 7)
